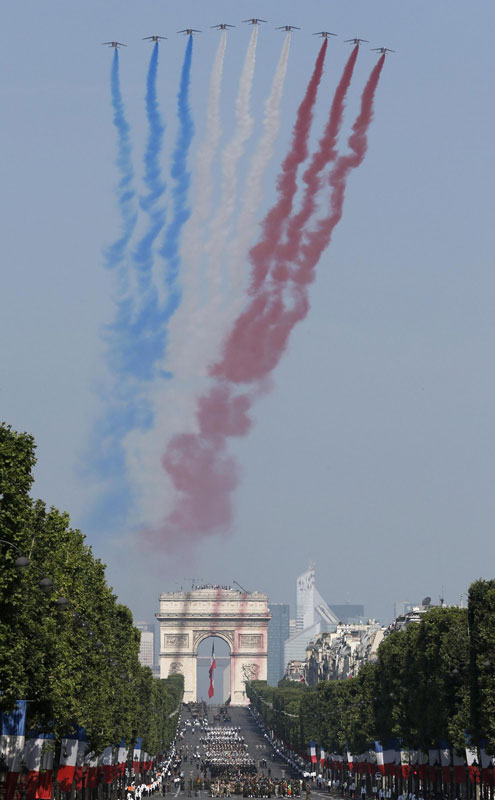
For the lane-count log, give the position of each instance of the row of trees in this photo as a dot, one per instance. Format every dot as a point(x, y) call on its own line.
point(77, 664)
point(432, 680)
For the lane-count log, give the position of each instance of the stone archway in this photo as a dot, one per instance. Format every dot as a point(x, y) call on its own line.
point(240, 619)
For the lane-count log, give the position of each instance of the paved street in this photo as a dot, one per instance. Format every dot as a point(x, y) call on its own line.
point(257, 746)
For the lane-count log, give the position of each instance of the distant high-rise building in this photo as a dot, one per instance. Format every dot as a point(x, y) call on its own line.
point(313, 615)
point(348, 612)
point(278, 633)
point(295, 647)
point(402, 607)
point(147, 645)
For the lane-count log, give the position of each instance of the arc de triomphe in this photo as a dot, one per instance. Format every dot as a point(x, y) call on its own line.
point(240, 619)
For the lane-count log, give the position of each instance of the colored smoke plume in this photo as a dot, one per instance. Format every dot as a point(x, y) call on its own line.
point(126, 194)
point(253, 193)
point(198, 464)
point(260, 335)
point(272, 225)
point(181, 177)
point(324, 155)
point(143, 255)
point(231, 155)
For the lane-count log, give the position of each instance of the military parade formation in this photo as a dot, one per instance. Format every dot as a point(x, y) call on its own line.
point(214, 757)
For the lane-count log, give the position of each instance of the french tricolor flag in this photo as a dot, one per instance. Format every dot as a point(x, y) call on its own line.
point(82, 746)
point(45, 782)
point(68, 762)
point(136, 755)
point(92, 779)
point(32, 758)
point(472, 762)
point(122, 757)
point(389, 757)
point(445, 759)
point(380, 763)
point(12, 738)
point(459, 768)
point(312, 751)
point(107, 764)
point(211, 688)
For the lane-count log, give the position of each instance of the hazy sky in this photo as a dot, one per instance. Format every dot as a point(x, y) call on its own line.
point(373, 453)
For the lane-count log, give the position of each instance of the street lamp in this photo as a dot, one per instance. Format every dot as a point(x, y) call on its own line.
point(46, 585)
point(4, 771)
point(21, 563)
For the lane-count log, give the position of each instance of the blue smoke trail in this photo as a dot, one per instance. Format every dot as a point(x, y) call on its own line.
point(105, 455)
point(126, 194)
point(136, 336)
point(136, 339)
point(141, 339)
point(181, 177)
point(143, 255)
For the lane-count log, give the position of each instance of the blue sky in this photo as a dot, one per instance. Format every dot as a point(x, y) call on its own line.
point(373, 454)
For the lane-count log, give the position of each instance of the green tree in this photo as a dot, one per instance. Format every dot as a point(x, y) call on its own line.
point(77, 666)
point(481, 615)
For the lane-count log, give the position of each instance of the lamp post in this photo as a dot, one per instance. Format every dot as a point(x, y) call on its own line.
point(23, 779)
point(4, 771)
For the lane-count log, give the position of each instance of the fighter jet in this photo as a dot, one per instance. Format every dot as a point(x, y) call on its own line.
point(153, 38)
point(356, 41)
point(115, 44)
point(254, 21)
point(288, 28)
point(222, 26)
point(383, 50)
point(189, 31)
point(325, 34)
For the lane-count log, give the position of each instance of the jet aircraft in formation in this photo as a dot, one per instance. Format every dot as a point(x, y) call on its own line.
point(222, 26)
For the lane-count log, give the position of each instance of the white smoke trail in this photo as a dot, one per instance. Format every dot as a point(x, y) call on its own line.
point(215, 317)
point(230, 158)
point(173, 406)
point(191, 249)
point(197, 332)
point(253, 194)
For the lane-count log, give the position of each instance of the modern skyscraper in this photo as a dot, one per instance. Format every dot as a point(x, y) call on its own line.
point(313, 615)
point(278, 633)
point(147, 645)
point(310, 605)
point(347, 612)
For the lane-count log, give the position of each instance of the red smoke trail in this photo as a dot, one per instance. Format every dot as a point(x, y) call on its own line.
point(260, 335)
point(326, 153)
point(198, 463)
point(273, 223)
